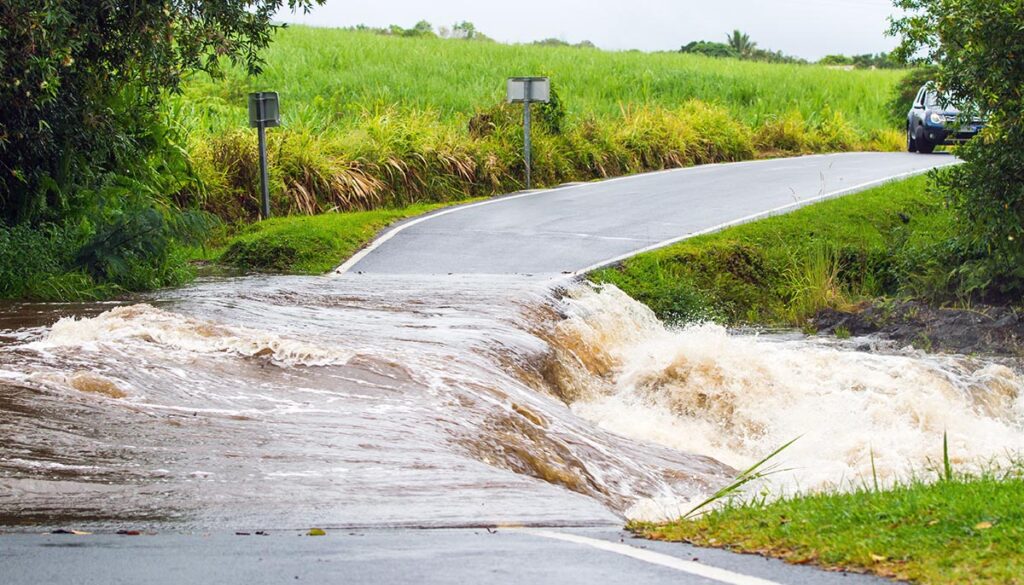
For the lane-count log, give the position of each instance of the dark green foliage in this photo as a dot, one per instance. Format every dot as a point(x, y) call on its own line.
point(906, 91)
point(740, 43)
point(710, 49)
point(977, 46)
point(552, 114)
point(865, 61)
point(553, 42)
point(90, 174)
point(421, 29)
point(82, 79)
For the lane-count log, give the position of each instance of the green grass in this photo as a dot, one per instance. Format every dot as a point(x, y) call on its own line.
point(969, 530)
point(326, 77)
point(781, 270)
point(373, 122)
point(307, 244)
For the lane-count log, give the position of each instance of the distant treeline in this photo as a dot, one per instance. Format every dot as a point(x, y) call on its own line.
point(738, 45)
point(464, 30)
point(866, 61)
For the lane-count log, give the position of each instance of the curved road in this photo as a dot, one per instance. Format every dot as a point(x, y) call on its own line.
point(570, 229)
point(580, 227)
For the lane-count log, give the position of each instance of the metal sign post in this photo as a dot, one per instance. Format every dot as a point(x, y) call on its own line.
point(264, 112)
point(526, 90)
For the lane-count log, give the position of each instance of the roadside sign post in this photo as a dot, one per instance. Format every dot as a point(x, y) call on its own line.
point(527, 90)
point(264, 112)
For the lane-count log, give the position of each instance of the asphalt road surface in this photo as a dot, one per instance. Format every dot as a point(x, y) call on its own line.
point(423, 557)
point(579, 227)
point(565, 230)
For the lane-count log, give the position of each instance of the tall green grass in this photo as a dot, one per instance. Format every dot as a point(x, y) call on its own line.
point(371, 121)
point(964, 528)
point(328, 77)
point(890, 240)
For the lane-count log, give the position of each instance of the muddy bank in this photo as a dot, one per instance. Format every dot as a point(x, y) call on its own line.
point(983, 329)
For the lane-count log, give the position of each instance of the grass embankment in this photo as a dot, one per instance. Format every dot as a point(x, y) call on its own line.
point(371, 121)
point(782, 270)
point(970, 530)
point(309, 245)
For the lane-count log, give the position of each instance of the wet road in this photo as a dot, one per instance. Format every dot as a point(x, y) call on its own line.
point(403, 399)
point(392, 556)
point(580, 227)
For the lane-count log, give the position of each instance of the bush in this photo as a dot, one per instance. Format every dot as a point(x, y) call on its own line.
point(977, 45)
point(905, 92)
point(786, 133)
point(834, 134)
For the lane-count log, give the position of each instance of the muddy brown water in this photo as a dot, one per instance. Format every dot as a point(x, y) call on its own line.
point(273, 402)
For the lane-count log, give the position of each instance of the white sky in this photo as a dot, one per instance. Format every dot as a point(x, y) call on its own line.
point(806, 28)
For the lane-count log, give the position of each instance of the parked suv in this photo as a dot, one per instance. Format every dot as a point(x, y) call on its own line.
point(931, 124)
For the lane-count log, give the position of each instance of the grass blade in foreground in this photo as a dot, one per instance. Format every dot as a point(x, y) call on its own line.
point(969, 530)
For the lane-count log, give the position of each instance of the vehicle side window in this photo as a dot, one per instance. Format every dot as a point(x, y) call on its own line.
point(919, 100)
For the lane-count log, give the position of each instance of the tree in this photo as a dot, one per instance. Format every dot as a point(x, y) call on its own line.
point(840, 60)
point(710, 49)
point(421, 29)
point(80, 82)
point(464, 30)
point(977, 46)
point(741, 43)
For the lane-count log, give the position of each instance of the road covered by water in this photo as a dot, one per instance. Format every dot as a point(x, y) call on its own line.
point(286, 402)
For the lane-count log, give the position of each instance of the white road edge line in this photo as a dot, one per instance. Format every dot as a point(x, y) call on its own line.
point(358, 256)
point(655, 558)
point(760, 215)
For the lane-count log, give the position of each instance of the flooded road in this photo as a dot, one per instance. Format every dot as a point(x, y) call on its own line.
point(449, 401)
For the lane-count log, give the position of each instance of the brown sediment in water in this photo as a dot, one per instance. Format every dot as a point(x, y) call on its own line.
point(95, 384)
point(435, 402)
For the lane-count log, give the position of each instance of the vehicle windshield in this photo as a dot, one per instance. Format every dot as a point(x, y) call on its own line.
point(940, 101)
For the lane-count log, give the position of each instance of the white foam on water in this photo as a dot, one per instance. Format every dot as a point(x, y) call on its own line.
point(739, 397)
point(150, 325)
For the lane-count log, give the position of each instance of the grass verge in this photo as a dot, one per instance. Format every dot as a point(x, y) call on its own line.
point(307, 244)
point(359, 133)
point(969, 530)
point(784, 269)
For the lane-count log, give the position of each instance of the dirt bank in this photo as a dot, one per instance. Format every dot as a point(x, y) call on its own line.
point(981, 329)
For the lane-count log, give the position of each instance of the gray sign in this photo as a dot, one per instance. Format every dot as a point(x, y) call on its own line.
point(528, 89)
point(264, 109)
point(264, 112)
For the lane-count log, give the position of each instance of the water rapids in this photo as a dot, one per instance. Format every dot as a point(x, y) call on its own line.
point(275, 402)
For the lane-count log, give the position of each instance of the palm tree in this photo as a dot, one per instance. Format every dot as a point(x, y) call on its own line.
point(741, 43)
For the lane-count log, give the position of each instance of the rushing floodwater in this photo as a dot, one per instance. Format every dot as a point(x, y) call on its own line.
point(356, 401)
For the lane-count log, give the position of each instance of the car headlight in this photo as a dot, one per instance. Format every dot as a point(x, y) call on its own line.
point(936, 118)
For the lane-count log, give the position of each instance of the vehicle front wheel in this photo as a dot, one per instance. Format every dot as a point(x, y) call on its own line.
point(911, 143)
point(924, 146)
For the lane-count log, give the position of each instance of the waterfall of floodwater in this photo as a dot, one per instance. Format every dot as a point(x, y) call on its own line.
point(371, 401)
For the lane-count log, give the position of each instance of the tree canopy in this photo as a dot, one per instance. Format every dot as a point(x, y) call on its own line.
point(976, 47)
point(81, 80)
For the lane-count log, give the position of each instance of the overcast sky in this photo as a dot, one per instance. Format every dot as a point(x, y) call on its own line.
point(805, 28)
